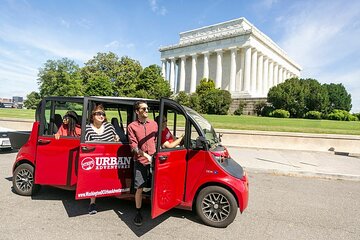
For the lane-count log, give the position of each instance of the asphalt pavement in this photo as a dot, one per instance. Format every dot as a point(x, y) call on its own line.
point(298, 163)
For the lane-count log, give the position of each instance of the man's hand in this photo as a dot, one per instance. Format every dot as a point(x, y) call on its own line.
point(147, 156)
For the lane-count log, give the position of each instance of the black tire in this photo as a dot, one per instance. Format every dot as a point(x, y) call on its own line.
point(216, 206)
point(23, 180)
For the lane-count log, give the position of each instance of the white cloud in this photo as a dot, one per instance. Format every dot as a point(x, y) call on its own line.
point(115, 45)
point(43, 41)
point(323, 37)
point(269, 3)
point(64, 23)
point(84, 23)
point(160, 10)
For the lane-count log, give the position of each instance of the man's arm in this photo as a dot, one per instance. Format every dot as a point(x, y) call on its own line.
point(133, 140)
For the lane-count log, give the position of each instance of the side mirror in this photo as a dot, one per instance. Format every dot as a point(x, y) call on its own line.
point(200, 142)
point(220, 136)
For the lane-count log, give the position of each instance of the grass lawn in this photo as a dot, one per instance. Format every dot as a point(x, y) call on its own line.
point(243, 123)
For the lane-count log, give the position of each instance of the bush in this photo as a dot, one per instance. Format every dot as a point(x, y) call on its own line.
point(341, 115)
point(183, 98)
point(313, 115)
point(194, 102)
point(357, 115)
point(259, 106)
point(215, 101)
point(280, 113)
point(240, 108)
point(265, 112)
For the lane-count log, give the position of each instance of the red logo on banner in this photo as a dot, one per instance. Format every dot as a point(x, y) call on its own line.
point(87, 163)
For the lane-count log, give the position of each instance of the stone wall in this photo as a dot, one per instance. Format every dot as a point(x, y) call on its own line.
point(249, 109)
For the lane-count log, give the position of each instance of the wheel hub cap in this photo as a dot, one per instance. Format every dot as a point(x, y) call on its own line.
point(215, 207)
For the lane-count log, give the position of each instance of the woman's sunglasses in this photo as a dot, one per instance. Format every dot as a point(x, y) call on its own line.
point(100, 114)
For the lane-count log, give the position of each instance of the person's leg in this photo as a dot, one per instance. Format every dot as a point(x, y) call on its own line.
point(140, 177)
point(138, 198)
point(92, 206)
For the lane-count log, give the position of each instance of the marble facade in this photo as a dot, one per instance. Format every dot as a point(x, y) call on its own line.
point(235, 54)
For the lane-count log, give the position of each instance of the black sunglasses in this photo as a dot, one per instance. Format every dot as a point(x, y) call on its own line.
point(145, 108)
point(99, 114)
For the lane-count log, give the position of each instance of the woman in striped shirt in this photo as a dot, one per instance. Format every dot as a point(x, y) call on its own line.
point(99, 130)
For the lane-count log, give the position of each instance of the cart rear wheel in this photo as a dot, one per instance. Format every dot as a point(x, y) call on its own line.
point(216, 206)
point(23, 180)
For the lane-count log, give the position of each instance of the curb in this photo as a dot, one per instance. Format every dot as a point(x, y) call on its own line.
point(331, 176)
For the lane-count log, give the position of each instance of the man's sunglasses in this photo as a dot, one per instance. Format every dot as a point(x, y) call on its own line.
point(145, 108)
point(100, 114)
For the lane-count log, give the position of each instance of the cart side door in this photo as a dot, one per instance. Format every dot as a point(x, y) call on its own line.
point(104, 168)
point(56, 158)
point(169, 165)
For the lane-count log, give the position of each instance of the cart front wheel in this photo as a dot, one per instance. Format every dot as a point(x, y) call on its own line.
point(23, 180)
point(216, 206)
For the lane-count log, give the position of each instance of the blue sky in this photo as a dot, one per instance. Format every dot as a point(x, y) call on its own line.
point(322, 36)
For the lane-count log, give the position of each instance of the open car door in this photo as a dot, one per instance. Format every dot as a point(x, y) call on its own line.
point(169, 165)
point(104, 168)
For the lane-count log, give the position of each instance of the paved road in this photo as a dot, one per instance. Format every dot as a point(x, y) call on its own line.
point(280, 207)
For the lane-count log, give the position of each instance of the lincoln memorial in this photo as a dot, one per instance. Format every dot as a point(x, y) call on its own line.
point(235, 54)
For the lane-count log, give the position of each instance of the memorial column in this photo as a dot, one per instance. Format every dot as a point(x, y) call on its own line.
point(182, 73)
point(163, 67)
point(253, 71)
point(172, 74)
point(247, 69)
point(218, 79)
point(260, 65)
point(271, 74)
point(266, 76)
point(276, 72)
point(193, 73)
point(232, 69)
point(241, 71)
point(206, 64)
point(280, 74)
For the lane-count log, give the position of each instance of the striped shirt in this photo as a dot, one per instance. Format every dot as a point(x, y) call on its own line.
point(107, 135)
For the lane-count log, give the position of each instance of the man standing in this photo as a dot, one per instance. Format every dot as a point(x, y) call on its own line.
point(142, 137)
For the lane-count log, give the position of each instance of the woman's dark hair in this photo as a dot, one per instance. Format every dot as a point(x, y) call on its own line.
point(73, 121)
point(98, 108)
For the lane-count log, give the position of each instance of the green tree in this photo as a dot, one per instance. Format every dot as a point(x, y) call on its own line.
point(204, 86)
point(298, 96)
point(123, 73)
point(290, 96)
point(194, 102)
point(32, 100)
point(103, 64)
point(60, 78)
point(183, 98)
point(127, 76)
point(216, 101)
point(152, 81)
point(316, 96)
point(99, 85)
point(339, 98)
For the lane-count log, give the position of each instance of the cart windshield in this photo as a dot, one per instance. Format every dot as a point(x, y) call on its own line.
point(207, 130)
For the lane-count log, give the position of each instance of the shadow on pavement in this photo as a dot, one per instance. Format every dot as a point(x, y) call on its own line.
point(125, 209)
point(126, 212)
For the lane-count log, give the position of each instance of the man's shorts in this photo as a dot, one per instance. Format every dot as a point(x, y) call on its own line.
point(142, 175)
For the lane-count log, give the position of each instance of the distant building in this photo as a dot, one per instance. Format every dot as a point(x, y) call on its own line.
point(17, 99)
point(6, 100)
point(15, 102)
point(235, 54)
